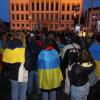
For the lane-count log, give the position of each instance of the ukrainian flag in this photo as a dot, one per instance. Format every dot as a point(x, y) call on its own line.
point(13, 56)
point(95, 51)
point(49, 72)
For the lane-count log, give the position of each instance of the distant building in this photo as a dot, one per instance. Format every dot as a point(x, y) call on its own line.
point(93, 18)
point(50, 14)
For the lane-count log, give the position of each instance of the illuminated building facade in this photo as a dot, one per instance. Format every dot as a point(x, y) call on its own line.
point(93, 18)
point(37, 14)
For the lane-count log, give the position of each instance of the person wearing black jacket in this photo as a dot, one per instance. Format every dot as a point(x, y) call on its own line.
point(14, 55)
point(33, 76)
point(79, 77)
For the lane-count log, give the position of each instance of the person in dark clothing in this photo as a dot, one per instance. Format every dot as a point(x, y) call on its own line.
point(33, 76)
point(13, 57)
point(79, 77)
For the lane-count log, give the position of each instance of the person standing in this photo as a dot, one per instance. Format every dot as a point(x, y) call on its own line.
point(49, 73)
point(13, 57)
point(79, 76)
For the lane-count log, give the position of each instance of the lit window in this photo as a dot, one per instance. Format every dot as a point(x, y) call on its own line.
point(42, 6)
point(22, 17)
point(47, 6)
point(17, 17)
point(12, 6)
point(32, 6)
point(56, 6)
point(13, 25)
point(63, 7)
point(26, 7)
point(22, 7)
point(17, 7)
point(63, 17)
point(26, 16)
point(52, 6)
point(67, 17)
point(68, 7)
point(13, 17)
point(37, 6)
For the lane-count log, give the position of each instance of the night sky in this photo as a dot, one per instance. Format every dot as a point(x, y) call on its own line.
point(4, 15)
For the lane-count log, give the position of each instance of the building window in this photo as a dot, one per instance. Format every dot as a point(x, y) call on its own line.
point(12, 7)
point(42, 16)
point(22, 25)
point(17, 7)
point(51, 26)
point(22, 17)
point(26, 7)
point(68, 7)
point(56, 16)
point(42, 6)
point(56, 26)
point(18, 25)
point(13, 17)
point(62, 25)
point(32, 6)
point(37, 17)
point(22, 7)
point(67, 25)
point(13, 25)
point(47, 16)
point(63, 17)
point(67, 17)
point(56, 6)
point(47, 6)
point(33, 16)
point(17, 17)
point(52, 6)
point(26, 16)
point(73, 7)
point(72, 17)
point(63, 7)
point(37, 6)
point(27, 25)
point(52, 16)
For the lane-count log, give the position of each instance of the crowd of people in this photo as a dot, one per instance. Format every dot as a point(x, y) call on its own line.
point(46, 59)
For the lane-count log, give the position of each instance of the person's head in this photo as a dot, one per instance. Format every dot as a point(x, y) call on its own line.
point(18, 36)
point(85, 56)
point(47, 42)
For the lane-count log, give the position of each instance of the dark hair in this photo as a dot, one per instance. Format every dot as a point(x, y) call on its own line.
point(85, 56)
point(47, 42)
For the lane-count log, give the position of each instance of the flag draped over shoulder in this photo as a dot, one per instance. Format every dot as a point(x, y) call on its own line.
point(49, 72)
point(95, 51)
point(16, 55)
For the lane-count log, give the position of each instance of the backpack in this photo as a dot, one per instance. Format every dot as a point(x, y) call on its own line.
point(71, 56)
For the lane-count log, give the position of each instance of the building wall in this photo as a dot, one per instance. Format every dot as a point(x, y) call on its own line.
point(36, 14)
point(94, 16)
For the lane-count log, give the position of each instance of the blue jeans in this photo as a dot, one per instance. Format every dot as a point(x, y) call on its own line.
point(79, 92)
point(32, 76)
point(45, 95)
point(18, 90)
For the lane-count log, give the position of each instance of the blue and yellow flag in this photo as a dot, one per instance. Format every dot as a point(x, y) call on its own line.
point(95, 51)
point(13, 56)
point(49, 72)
